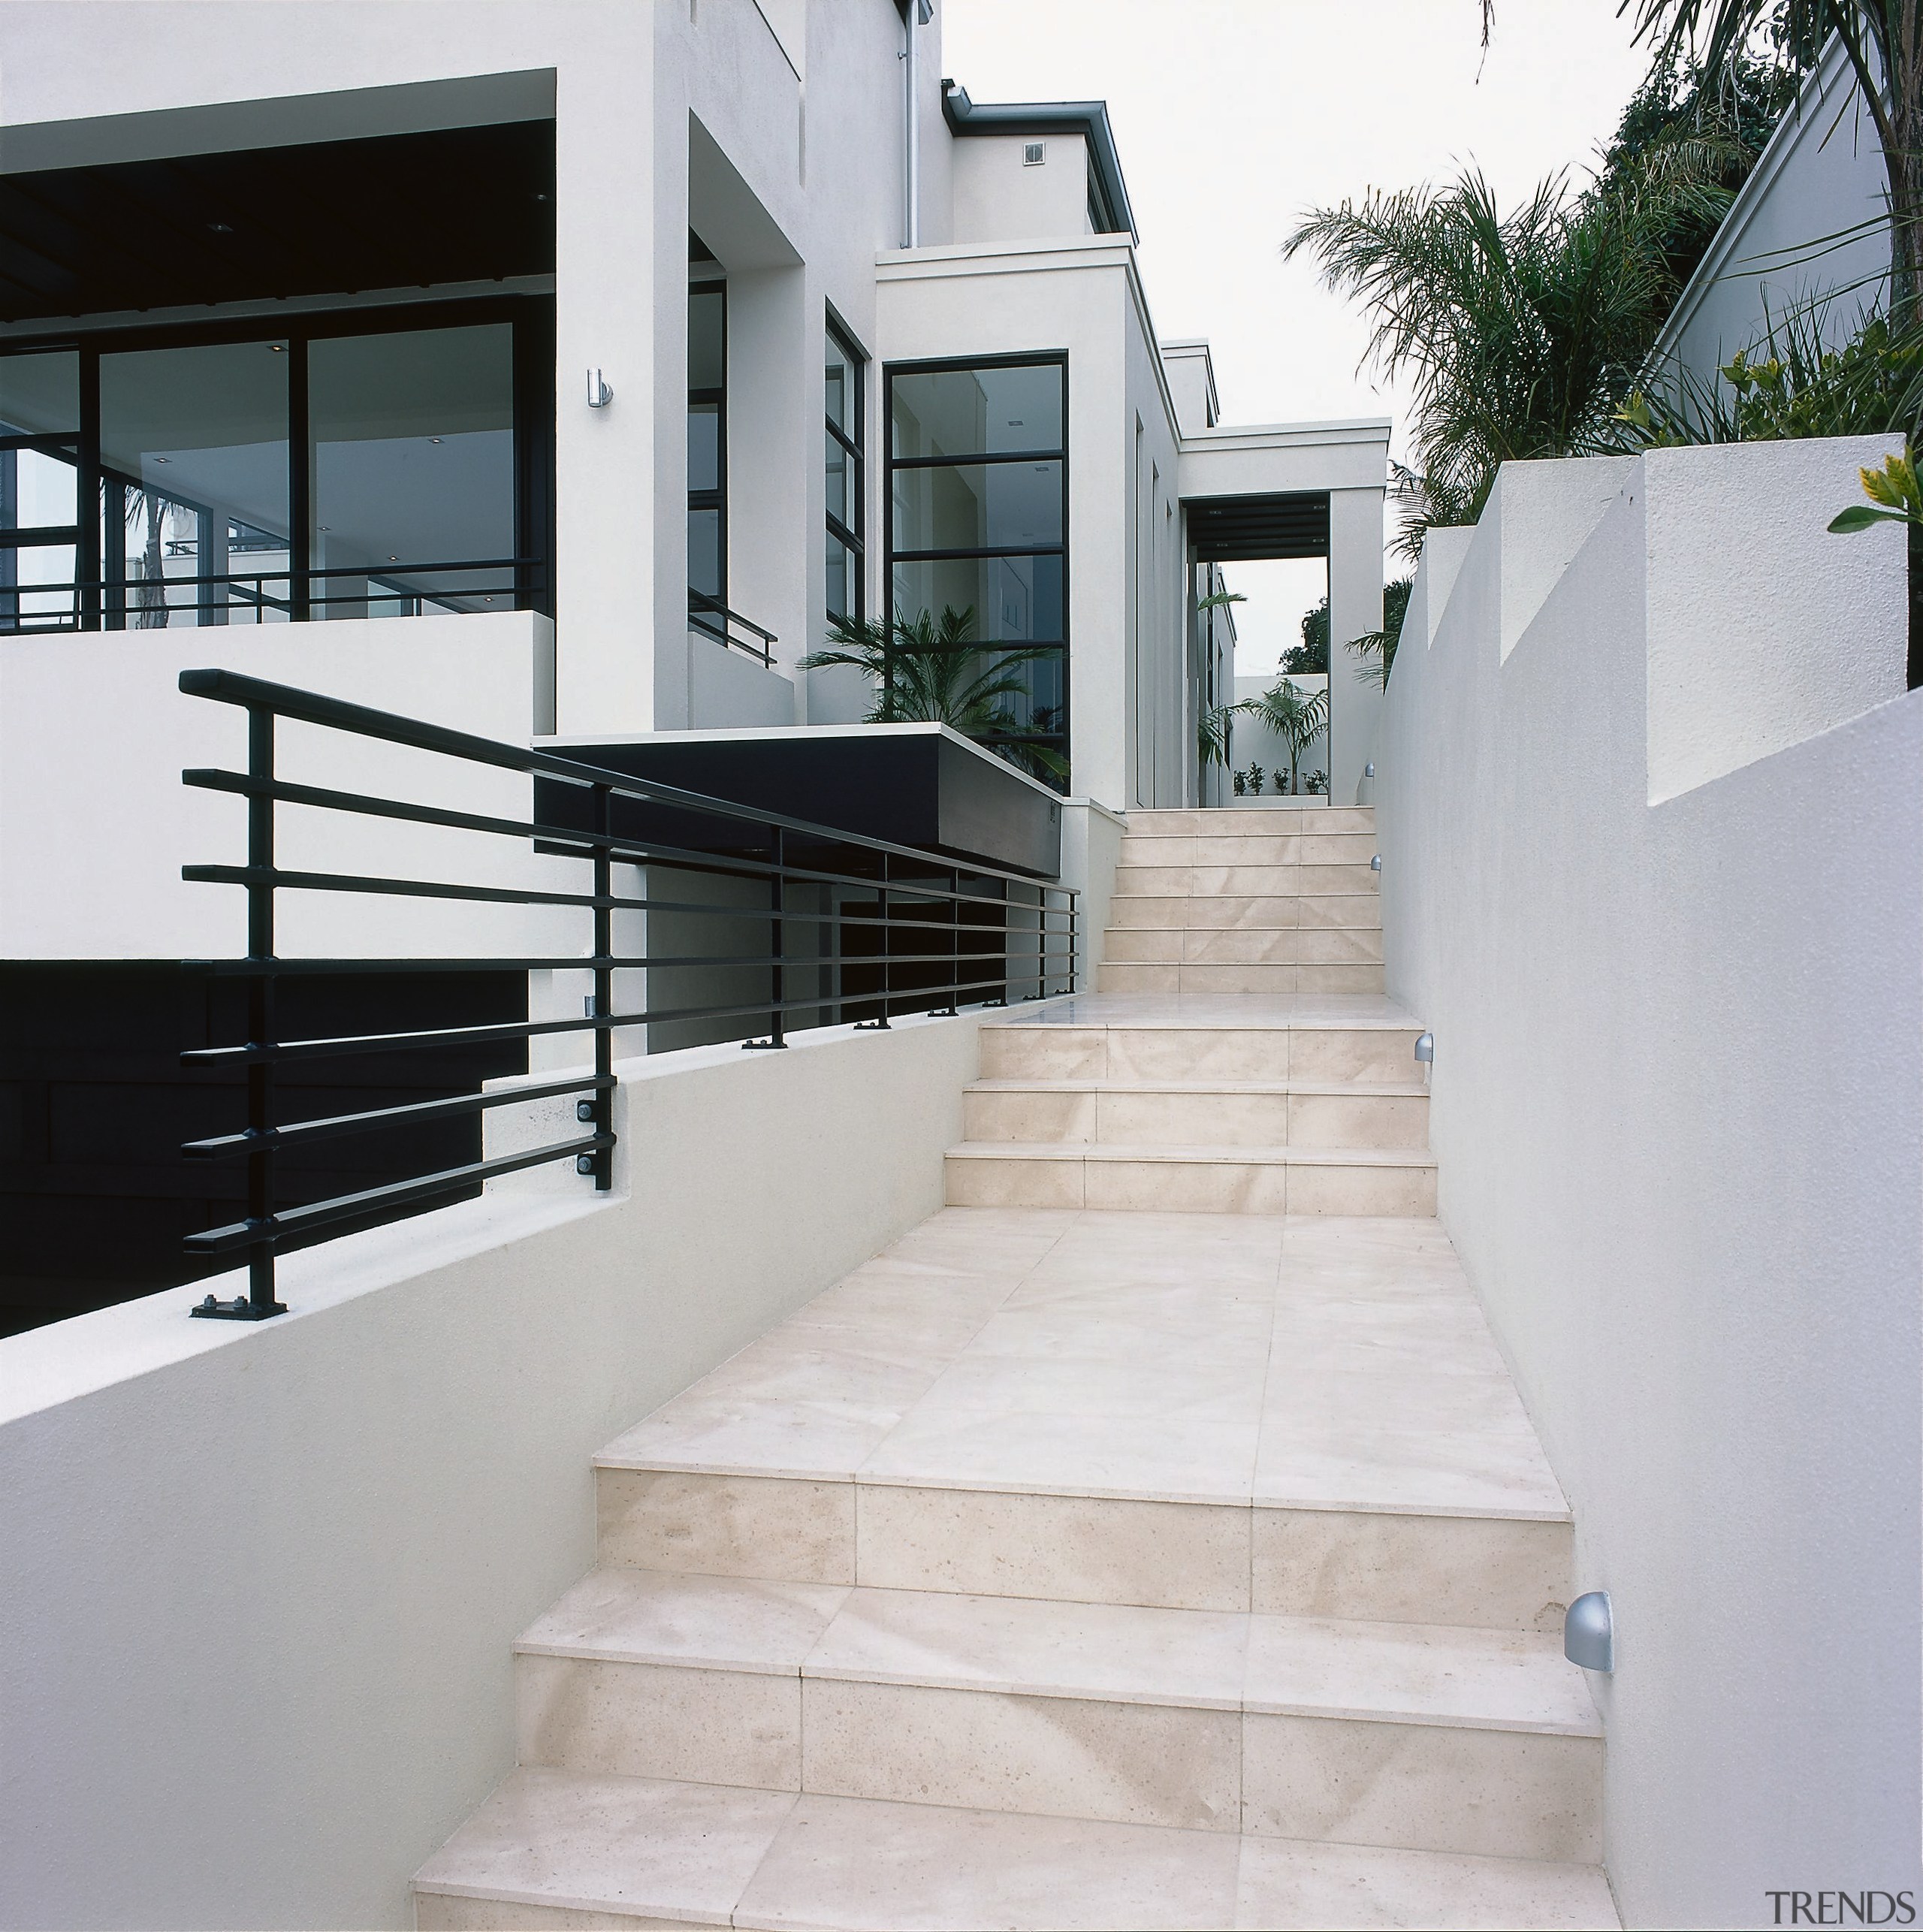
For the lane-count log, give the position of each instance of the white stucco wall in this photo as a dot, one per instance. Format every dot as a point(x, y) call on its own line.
point(1678, 1108)
point(1821, 174)
point(95, 824)
point(1000, 197)
point(261, 1582)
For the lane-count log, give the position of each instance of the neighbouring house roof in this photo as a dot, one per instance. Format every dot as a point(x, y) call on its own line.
point(1089, 119)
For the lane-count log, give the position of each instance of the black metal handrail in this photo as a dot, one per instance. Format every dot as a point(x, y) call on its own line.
point(713, 618)
point(913, 891)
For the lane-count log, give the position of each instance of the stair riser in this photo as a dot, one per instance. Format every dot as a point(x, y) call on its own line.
point(448, 1911)
point(1189, 1186)
point(1277, 848)
point(1170, 945)
point(1427, 1786)
point(1316, 912)
point(1482, 1572)
point(1123, 977)
point(1230, 822)
point(1423, 1787)
point(1213, 1053)
point(1351, 877)
point(1188, 1120)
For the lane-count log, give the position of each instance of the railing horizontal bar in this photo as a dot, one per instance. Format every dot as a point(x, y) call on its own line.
point(231, 687)
point(324, 798)
point(502, 1034)
point(224, 1146)
point(401, 888)
point(348, 1207)
point(512, 895)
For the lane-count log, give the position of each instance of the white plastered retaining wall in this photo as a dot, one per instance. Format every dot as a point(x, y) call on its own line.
point(1670, 946)
point(261, 1582)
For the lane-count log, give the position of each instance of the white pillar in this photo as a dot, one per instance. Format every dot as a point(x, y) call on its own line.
point(1355, 609)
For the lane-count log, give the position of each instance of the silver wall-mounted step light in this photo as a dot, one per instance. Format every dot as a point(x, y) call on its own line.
point(1375, 862)
point(1425, 1049)
point(1589, 1632)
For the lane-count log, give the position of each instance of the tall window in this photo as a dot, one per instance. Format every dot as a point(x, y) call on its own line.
point(40, 521)
point(843, 447)
point(707, 442)
point(978, 522)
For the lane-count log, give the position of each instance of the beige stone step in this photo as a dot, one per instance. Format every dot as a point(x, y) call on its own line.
point(1462, 1740)
point(1295, 878)
point(554, 1848)
point(1181, 1112)
point(1331, 1052)
point(1306, 848)
point(1124, 976)
point(1269, 818)
point(1238, 946)
point(1195, 1179)
point(1259, 911)
point(1484, 1571)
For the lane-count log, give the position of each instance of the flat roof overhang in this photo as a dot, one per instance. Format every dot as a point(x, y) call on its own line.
point(459, 204)
point(1243, 529)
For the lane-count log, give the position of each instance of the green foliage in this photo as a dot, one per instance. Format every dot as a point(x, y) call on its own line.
point(1893, 494)
point(1310, 658)
point(1376, 648)
point(928, 670)
point(1211, 735)
point(1792, 384)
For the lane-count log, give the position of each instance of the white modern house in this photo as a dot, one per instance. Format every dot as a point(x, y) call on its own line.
point(940, 1327)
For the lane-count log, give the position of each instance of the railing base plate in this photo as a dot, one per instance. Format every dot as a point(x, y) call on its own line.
point(239, 1309)
point(763, 1045)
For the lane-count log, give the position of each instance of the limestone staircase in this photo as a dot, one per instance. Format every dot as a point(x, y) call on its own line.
point(1082, 1564)
point(1268, 1074)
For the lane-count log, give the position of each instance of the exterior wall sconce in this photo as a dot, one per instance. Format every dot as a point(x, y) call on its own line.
point(1376, 863)
point(1589, 1632)
point(598, 394)
point(1425, 1049)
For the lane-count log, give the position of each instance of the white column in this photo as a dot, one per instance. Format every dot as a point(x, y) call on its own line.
point(1355, 609)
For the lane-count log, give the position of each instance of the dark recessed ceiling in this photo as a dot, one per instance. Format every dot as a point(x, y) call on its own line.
point(459, 204)
point(1249, 529)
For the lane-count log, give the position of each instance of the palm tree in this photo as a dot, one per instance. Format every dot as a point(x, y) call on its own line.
point(1523, 332)
point(1296, 717)
point(929, 671)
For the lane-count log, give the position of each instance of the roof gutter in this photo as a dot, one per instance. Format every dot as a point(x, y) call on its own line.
point(1089, 119)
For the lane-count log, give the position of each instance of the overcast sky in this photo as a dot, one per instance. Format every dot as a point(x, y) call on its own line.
point(1233, 116)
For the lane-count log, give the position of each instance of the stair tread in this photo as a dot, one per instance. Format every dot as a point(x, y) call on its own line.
point(1322, 1666)
point(804, 1862)
point(1338, 1089)
point(1244, 1012)
point(1111, 1150)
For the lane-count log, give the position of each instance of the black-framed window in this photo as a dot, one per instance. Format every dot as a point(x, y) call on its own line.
point(707, 442)
point(842, 445)
point(978, 522)
point(390, 462)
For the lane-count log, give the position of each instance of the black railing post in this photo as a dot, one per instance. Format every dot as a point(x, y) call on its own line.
point(886, 956)
point(778, 897)
point(955, 950)
point(604, 984)
point(259, 1302)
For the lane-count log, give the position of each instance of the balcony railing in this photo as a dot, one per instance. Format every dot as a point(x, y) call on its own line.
point(394, 589)
point(713, 618)
point(926, 931)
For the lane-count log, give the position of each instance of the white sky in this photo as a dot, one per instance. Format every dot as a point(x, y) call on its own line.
point(1233, 116)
